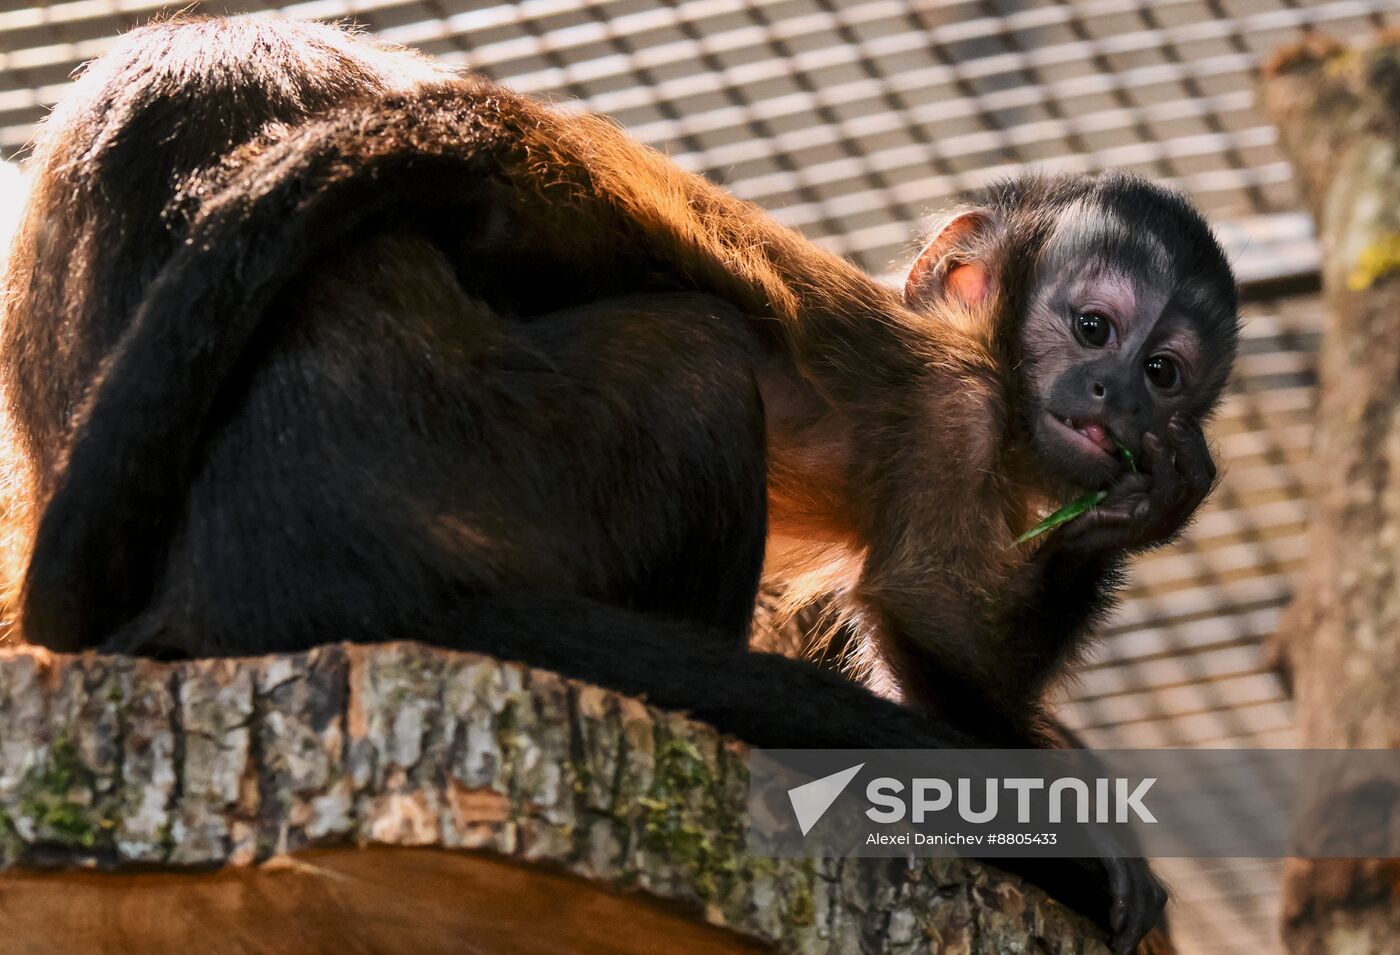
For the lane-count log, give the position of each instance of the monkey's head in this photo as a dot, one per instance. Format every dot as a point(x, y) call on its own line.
point(1107, 296)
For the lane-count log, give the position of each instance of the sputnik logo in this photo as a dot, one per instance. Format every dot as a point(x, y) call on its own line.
point(810, 801)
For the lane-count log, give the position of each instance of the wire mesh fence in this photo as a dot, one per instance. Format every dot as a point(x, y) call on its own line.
point(849, 119)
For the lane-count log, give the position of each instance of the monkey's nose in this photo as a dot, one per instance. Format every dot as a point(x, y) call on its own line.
point(1099, 390)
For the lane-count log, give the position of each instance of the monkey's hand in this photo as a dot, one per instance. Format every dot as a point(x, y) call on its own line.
point(1148, 508)
point(1136, 902)
point(1120, 893)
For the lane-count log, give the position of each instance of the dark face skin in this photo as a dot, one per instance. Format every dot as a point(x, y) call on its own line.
point(1116, 354)
point(1111, 353)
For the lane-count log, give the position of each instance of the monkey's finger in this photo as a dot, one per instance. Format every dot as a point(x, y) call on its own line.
point(1127, 490)
point(1191, 469)
point(1137, 902)
point(1108, 527)
point(1120, 512)
point(1193, 458)
point(1166, 490)
point(1156, 451)
point(1195, 469)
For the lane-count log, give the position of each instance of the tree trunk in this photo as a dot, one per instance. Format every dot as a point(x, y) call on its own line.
point(404, 799)
point(1339, 114)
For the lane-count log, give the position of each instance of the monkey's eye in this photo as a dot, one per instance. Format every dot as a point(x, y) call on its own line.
point(1162, 372)
point(1094, 330)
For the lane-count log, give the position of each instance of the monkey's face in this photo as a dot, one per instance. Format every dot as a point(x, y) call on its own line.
point(1111, 351)
point(1122, 316)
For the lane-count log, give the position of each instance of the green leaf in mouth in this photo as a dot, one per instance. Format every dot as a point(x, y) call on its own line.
point(1127, 454)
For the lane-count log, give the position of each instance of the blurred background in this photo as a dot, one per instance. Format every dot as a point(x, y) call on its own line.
point(852, 120)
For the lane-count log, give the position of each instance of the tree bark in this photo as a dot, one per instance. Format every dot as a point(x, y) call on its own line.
point(1339, 114)
point(399, 798)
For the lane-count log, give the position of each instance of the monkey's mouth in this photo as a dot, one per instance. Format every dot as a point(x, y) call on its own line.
point(1089, 436)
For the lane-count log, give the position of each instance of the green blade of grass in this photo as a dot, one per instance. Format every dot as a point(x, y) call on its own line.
point(1064, 515)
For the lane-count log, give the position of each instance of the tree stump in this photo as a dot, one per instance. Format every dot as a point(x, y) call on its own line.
point(399, 798)
point(1339, 114)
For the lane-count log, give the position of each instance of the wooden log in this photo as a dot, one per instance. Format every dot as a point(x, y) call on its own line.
point(398, 798)
point(1338, 111)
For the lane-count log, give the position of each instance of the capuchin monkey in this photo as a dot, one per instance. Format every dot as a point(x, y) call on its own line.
point(308, 340)
point(1117, 349)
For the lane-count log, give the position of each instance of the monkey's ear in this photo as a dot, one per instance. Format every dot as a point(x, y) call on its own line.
point(954, 262)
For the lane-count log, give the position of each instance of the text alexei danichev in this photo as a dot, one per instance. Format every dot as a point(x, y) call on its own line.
point(922, 839)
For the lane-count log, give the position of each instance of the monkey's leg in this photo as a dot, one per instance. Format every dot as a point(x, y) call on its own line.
point(652, 397)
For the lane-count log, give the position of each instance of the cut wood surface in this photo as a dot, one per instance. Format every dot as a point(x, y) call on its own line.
point(1338, 112)
point(398, 798)
point(350, 901)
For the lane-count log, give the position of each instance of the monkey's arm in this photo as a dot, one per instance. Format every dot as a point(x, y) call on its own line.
point(967, 617)
point(1068, 585)
point(1061, 593)
point(979, 663)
